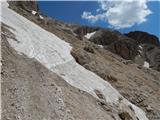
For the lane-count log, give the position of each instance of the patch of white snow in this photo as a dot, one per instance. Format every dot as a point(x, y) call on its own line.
point(34, 12)
point(140, 51)
point(41, 17)
point(5, 4)
point(146, 64)
point(101, 46)
point(139, 55)
point(140, 47)
point(89, 35)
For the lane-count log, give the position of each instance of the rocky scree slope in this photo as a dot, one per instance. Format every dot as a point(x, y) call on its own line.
point(122, 74)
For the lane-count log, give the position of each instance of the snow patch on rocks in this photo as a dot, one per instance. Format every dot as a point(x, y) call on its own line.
point(101, 46)
point(89, 35)
point(41, 17)
point(146, 64)
point(140, 47)
point(140, 51)
point(34, 12)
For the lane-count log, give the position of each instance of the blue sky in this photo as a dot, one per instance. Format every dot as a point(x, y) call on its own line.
point(71, 12)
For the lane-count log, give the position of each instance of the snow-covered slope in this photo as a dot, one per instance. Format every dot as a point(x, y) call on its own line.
point(54, 53)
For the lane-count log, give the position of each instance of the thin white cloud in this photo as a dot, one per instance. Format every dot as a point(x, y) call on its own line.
point(93, 18)
point(89, 16)
point(120, 14)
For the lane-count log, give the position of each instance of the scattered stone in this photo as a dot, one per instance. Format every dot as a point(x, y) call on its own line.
point(99, 94)
point(80, 91)
point(149, 108)
point(126, 62)
point(131, 108)
point(12, 104)
point(13, 70)
point(111, 78)
point(104, 105)
point(120, 99)
point(2, 72)
point(52, 84)
point(140, 99)
point(125, 116)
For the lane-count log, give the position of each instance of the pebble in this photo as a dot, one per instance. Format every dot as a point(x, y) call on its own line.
point(149, 108)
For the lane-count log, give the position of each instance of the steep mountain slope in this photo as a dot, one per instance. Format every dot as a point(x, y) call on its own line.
point(143, 37)
point(128, 46)
point(150, 48)
point(29, 41)
point(140, 86)
point(32, 92)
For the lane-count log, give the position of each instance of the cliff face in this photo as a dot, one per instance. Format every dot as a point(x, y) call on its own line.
point(38, 93)
point(143, 38)
point(25, 5)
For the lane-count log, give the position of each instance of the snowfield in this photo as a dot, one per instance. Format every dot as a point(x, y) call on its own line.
point(54, 53)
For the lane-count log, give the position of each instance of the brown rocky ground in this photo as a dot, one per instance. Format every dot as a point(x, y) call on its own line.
point(137, 84)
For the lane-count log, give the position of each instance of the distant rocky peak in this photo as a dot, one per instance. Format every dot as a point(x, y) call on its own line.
point(143, 37)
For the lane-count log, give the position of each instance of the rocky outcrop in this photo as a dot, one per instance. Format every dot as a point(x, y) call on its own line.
point(152, 55)
point(143, 38)
point(151, 47)
point(126, 48)
point(26, 5)
point(83, 30)
point(104, 37)
point(115, 42)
